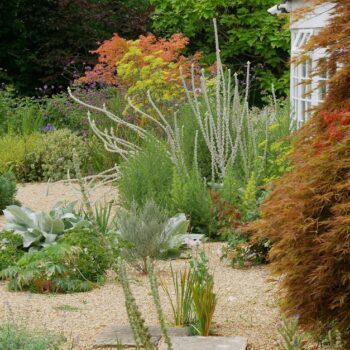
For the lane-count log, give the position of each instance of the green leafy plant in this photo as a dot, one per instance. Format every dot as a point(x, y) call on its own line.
point(239, 23)
point(242, 250)
point(94, 258)
point(75, 264)
point(47, 270)
point(16, 337)
point(10, 248)
point(182, 305)
point(41, 229)
point(149, 232)
point(7, 190)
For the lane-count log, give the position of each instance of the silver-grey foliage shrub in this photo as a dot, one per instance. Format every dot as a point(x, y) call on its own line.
point(148, 232)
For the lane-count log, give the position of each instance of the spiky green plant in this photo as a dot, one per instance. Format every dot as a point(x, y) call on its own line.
point(155, 293)
point(182, 304)
point(289, 333)
point(137, 323)
point(204, 298)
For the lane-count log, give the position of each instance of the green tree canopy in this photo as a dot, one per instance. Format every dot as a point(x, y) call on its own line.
point(247, 33)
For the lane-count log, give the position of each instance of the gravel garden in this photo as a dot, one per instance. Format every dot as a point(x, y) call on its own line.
point(165, 197)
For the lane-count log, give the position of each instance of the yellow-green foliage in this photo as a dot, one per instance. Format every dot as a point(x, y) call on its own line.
point(154, 76)
point(15, 151)
point(250, 193)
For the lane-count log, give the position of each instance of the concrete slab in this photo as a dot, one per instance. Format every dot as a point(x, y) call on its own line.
point(112, 334)
point(206, 343)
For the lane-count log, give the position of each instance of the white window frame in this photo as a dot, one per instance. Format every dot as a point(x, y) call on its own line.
point(305, 90)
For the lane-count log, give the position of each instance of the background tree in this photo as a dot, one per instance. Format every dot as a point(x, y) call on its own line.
point(46, 42)
point(247, 33)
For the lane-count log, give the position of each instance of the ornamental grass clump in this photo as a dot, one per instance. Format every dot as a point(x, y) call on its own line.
point(203, 296)
point(182, 304)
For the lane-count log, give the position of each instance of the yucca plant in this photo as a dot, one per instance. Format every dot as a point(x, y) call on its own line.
point(182, 303)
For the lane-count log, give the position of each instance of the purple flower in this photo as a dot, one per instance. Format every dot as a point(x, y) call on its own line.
point(48, 127)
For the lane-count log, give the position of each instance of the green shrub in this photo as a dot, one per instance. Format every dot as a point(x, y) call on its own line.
point(94, 258)
point(10, 248)
point(7, 190)
point(22, 155)
point(246, 33)
point(20, 115)
point(75, 264)
point(242, 250)
point(189, 195)
point(15, 337)
point(146, 175)
point(149, 232)
point(58, 154)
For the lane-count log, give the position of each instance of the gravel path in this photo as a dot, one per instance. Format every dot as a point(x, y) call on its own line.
point(247, 303)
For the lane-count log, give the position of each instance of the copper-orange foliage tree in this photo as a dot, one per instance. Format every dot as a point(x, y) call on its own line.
point(147, 64)
point(308, 213)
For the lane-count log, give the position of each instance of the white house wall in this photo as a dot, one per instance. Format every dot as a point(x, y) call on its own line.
point(317, 19)
point(305, 90)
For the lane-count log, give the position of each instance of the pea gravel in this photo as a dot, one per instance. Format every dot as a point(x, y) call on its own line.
point(247, 303)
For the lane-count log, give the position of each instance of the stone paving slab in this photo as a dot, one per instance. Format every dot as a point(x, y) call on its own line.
point(112, 334)
point(206, 343)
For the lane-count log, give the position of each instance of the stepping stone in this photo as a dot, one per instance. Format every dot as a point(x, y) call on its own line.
point(112, 334)
point(206, 343)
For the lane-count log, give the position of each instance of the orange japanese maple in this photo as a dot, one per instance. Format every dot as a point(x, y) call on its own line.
point(112, 51)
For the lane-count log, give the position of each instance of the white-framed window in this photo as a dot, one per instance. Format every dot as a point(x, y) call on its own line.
point(307, 90)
